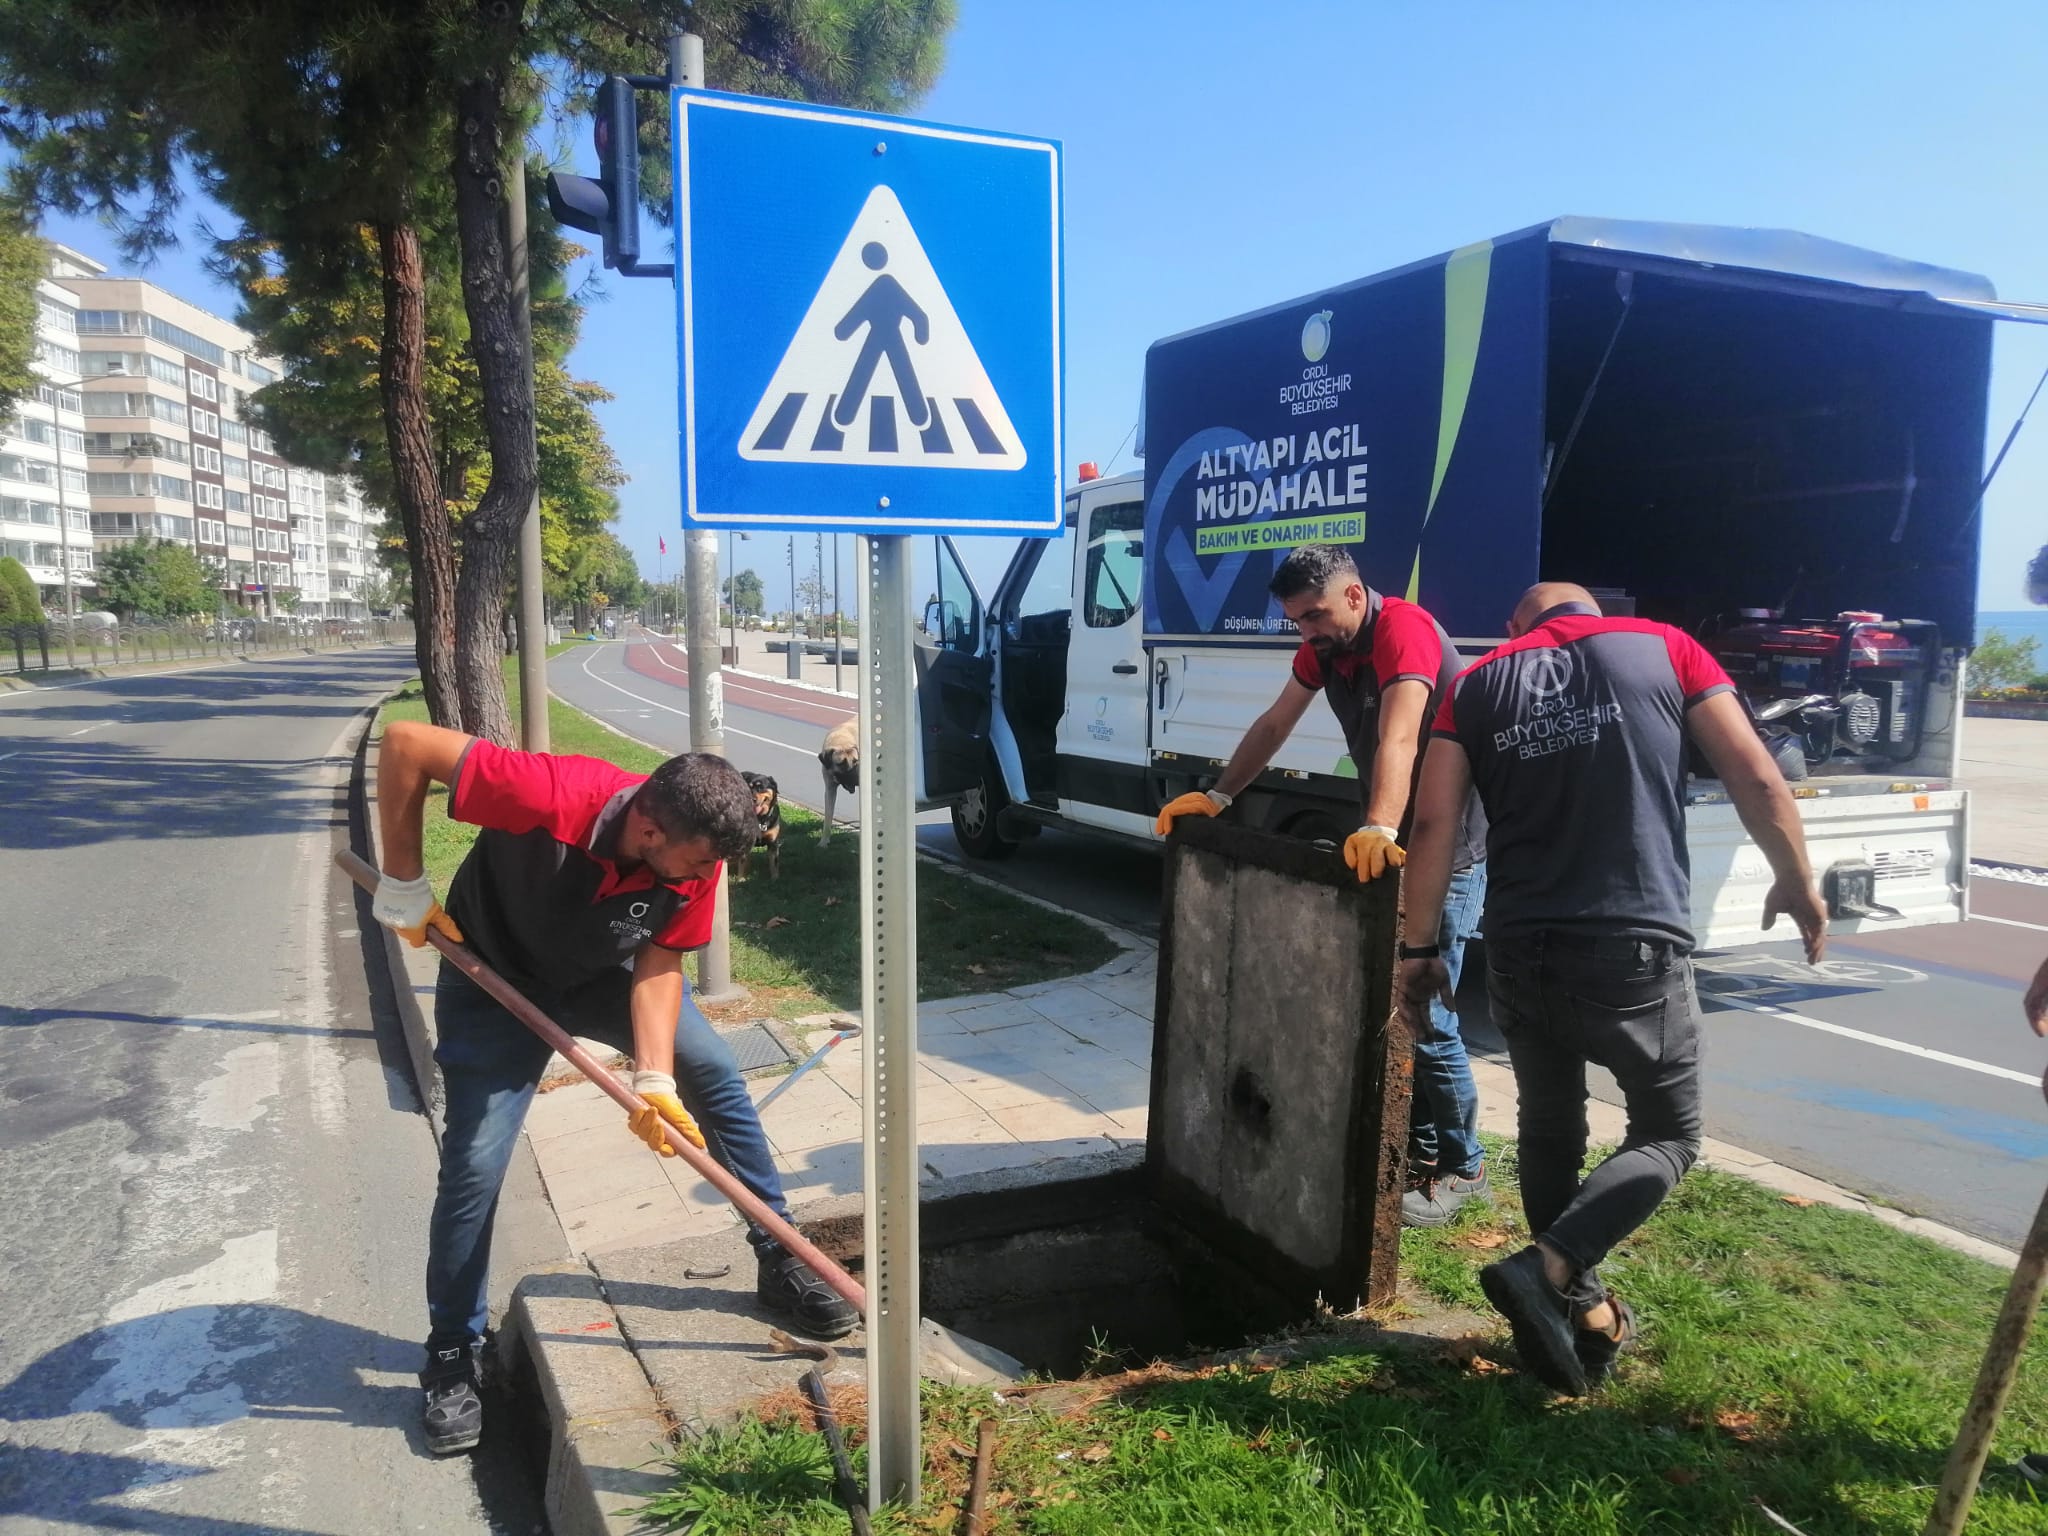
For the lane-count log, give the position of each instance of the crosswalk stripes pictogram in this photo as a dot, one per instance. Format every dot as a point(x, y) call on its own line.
point(880, 370)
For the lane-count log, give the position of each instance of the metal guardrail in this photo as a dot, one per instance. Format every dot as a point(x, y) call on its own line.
point(28, 650)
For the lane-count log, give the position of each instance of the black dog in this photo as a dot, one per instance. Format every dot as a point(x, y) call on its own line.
point(840, 758)
point(767, 823)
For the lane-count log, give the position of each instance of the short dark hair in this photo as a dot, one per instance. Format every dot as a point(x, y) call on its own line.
point(1310, 569)
point(701, 795)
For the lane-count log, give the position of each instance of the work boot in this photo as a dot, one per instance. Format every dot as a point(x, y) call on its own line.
point(1540, 1316)
point(1433, 1201)
point(454, 1413)
point(790, 1286)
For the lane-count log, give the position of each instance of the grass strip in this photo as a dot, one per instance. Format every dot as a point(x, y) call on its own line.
point(1807, 1358)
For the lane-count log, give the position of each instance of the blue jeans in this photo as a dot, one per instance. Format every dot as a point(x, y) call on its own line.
point(1443, 1120)
point(490, 1065)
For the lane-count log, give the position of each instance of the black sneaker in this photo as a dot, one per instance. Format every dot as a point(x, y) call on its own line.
point(454, 1414)
point(1540, 1317)
point(1598, 1351)
point(1434, 1201)
point(790, 1286)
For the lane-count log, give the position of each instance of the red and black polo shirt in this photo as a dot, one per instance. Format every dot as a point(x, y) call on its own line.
point(543, 896)
point(1576, 735)
point(1398, 642)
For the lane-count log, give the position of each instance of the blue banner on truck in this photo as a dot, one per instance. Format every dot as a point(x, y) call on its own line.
point(1401, 417)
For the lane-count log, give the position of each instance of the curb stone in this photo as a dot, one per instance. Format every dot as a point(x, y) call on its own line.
point(607, 1434)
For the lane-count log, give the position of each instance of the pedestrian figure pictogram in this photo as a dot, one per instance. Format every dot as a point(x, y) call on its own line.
point(883, 309)
point(831, 400)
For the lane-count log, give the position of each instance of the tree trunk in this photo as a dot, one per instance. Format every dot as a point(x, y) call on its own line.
point(491, 293)
point(408, 431)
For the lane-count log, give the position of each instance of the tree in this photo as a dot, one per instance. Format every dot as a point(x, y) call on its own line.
point(745, 593)
point(2000, 661)
point(153, 579)
point(23, 261)
point(313, 120)
point(20, 603)
point(2037, 577)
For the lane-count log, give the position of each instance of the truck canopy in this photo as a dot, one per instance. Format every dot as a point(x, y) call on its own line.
point(1701, 418)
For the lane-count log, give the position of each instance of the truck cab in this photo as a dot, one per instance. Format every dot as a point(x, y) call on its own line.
point(1043, 705)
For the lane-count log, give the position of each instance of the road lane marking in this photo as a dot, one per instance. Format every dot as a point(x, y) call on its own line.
point(2010, 922)
point(6, 755)
point(1735, 1000)
point(84, 728)
point(824, 701)
point(730, 730)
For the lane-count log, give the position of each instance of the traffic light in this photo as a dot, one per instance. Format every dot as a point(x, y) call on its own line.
point(609, 206)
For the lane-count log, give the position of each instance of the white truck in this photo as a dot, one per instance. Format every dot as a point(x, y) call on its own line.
point(1773, 441)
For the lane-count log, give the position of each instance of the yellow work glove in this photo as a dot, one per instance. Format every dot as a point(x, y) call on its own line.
point(1208, 802)
point(408, 908)
point(663, 1108)
point(1369, 851)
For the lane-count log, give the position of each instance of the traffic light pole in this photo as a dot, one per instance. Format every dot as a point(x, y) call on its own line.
point(533, 621)
point(700, 614)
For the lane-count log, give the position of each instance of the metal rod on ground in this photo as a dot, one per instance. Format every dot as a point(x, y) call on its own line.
point(842, 1467)
point(844, 1032)
point(1994, 1381)
point(977, 1489)
point(533, 608)
point(748, 1203)
point(889, 997)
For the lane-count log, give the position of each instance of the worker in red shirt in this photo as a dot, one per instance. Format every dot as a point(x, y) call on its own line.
point(1381, 662)
point(585, 889)
point(1574, 734)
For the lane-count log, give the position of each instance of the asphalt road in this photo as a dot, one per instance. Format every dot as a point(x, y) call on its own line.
point(217, 1176)
point(1899, 1069)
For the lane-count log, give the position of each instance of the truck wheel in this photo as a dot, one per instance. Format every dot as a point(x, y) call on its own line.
point(974, 819)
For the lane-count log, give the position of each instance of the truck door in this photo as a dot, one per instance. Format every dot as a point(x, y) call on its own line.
point(1103, 751)
point(955, 665)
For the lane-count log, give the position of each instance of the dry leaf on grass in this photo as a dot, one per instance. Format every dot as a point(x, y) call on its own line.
point(833, 901)
point(1096, 1452)
point(778, 921)
point(1799, 1200)
point(1162, 1434)
point(975, 968)
point(1680, 1477)
point(1483, 1240)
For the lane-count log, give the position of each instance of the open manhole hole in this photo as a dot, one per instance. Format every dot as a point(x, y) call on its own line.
point(1079, 1274)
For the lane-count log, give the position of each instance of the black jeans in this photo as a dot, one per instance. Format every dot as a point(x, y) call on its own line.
point(1561, 1001)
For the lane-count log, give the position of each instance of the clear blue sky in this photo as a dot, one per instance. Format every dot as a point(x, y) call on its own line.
point(1221, 157)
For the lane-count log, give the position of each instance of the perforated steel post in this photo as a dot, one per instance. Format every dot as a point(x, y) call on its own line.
point(889, 1159)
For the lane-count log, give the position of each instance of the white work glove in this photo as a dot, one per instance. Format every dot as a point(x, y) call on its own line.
point(409, 908)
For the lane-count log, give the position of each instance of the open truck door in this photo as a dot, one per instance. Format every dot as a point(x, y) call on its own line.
point(955, 663)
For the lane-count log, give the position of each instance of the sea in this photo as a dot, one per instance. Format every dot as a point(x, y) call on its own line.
point(2017, 624)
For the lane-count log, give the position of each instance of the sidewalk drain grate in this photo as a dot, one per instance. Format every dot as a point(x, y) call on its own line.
point(754, 1048)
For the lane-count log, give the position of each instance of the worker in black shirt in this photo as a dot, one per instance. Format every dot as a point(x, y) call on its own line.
point(1574, 734)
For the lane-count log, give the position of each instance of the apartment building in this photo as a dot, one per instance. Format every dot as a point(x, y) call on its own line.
point(44, 514)
point(169, 448)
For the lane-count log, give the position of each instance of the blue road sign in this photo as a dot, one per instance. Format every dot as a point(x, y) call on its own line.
point(869, 318)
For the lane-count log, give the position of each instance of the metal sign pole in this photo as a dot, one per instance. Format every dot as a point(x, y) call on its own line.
point(889, 1158)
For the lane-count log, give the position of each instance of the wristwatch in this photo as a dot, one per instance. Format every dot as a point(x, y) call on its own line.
point(1421, 951)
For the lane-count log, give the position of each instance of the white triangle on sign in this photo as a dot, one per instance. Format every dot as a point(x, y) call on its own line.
point(881, 371)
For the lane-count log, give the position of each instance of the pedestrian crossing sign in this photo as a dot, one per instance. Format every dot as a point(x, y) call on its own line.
point(869, 321)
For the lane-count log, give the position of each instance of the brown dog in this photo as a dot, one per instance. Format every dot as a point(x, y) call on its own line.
point(840, 758)
point(767, 823)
